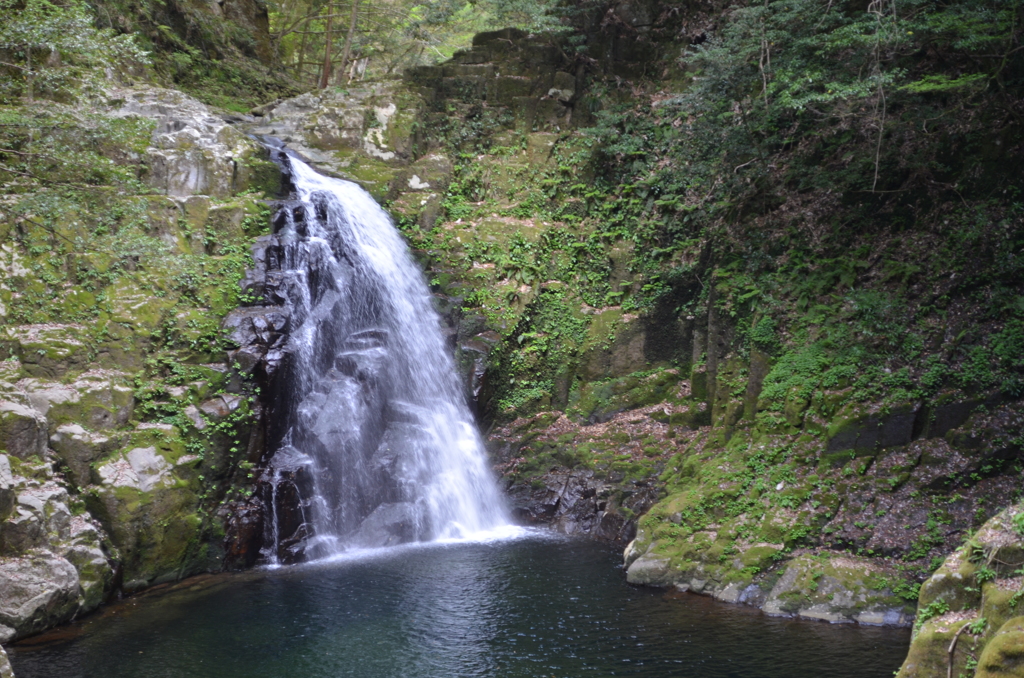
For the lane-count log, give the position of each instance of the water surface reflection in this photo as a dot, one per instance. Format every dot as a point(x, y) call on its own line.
point(539, 606)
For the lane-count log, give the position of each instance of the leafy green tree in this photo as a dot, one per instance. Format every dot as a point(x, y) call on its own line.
point(54, 50)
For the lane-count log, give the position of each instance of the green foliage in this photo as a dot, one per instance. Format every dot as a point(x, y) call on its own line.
point(934, 609)
point(60, 150)
point(53, 50)
point(1018, 523)
point(549, 347)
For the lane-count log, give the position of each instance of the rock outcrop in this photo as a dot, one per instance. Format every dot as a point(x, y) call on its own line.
point(54, 563)
point(5, 665)
point(98, 492)
point(969, 611)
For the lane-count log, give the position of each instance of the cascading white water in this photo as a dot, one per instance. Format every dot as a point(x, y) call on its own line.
point(379, 421)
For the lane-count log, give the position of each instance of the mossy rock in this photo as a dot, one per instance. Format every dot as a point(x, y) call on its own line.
point(929, 652)
point(98, 401)
point(147, 499)
point(614, 346)
point(47, 351)
point(600, 401)
point(135, 306)
point(855, 428)
point(1003, 656)
point(22, 430)
point(1000, 602)
point(836, 587)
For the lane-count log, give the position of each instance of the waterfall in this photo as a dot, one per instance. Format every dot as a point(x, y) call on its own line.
point(378, 440)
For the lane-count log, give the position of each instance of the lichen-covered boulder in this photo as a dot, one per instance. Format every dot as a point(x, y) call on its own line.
point(194, 152)
point(147, 499)
point(47, 351)
point(103, 402)
point(40, 517)
point(953, 585)
point(365, 134)
point(39, 528)
point(84, 550)
point(22, 430)
point(79, 448)
point(838, 588)
point(929, 652)
point(650, 570)
point(37, 590)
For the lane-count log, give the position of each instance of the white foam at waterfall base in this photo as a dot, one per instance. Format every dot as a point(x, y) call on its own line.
point(393, 452)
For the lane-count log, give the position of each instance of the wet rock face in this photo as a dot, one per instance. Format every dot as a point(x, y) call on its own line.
point(577, 502)
point(194, 152)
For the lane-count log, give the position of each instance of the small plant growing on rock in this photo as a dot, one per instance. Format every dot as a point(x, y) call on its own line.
point(1018, 523)
point(934, 609)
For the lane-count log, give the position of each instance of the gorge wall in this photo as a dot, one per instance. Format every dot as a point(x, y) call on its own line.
point(124, 427)
point(787, 465)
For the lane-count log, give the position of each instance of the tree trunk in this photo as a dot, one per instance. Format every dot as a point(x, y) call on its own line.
point(325, 73)
point(348, 38)
point(30, 75)
point(302, 53)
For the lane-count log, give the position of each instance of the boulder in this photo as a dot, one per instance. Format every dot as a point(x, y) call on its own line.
point(98, 400)
point(5, 665)
point(146, 500)
point(22, 430)
point(838, 588)
point(79, 448)
point(41, 517)
point(194, 152)
point(47, 351)
point(142, 468)
point(651, 570)
point(929, 651)
point(1003, 656)
point(957, 594)
point(37, 590)
point(85, 552)
point(7, 491)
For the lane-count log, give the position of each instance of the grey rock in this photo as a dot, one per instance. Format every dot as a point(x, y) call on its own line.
point(79, 448)
point(142, 468)
point(7, 492)
point(650, 570)
point(388, 525)
point(95, 574)
point(37, 591)
point(41, 516)
point(5, 666)
point(22, 430)
point(194, 152)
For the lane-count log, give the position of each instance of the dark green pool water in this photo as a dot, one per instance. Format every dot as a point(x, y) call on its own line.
point(531, 607)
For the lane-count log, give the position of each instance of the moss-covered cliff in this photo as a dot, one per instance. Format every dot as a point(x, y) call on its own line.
point(122, 425)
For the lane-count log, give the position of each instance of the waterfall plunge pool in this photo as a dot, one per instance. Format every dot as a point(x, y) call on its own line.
point(538, 605)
